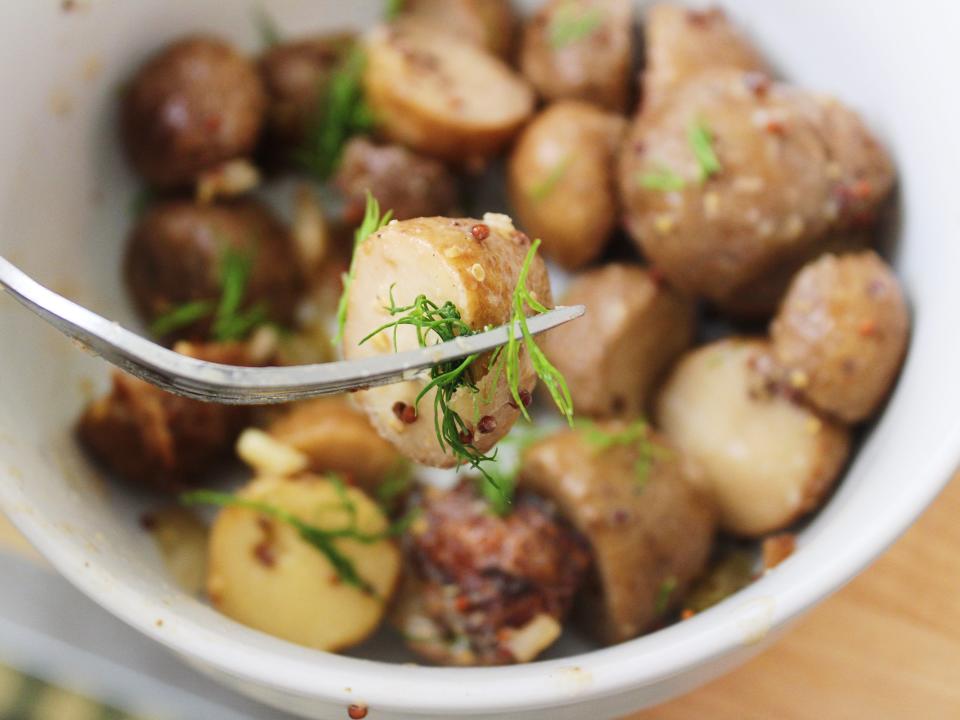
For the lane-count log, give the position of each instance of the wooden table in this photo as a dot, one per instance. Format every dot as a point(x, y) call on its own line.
point(886, 646)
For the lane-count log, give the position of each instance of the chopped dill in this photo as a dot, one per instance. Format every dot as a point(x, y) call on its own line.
point(664, 593)
point(701, 142)
point(397, 482)
point(341, 113)
point(662, 179)
point(181, 317)
point(543, 189)
point(637, 435)
point(372, 222)
point(267, 28)
point(572, 23)
point(394, 8)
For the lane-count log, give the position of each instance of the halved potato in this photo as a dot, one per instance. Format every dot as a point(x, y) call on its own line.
point(475, 265)
point(263, 574)
point(488, 24)
point(441, 96)
point(767, 459)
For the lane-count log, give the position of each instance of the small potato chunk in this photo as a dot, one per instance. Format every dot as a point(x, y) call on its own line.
point(488, 24)
point(650, 528)
point(410, 185)
point(194, 105)
point(634, 329)
point(841, 334)
point(441, 96)
point(728, 184)
point(581, 49)
point(445, 260)
point(683, 43)
point(263, 574)
point(766, 459)
point(177, 251)
point(337, 437)
point(562, 180)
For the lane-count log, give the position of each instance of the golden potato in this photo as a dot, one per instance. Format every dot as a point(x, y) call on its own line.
point(581, 49)
point(841, 334)
point(632, 496)
point(488, 24)
point(475, 265)
point(441, 96)
point(562, 180)
point(766, 459)
point(635, 327)
point(262, 573)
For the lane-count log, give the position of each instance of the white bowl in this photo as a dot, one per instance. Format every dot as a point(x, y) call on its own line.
point(66, 191)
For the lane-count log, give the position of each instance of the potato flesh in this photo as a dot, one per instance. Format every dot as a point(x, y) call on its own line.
point(488, 24)
point(264, 575)
point(766, 459)
point(441, 259)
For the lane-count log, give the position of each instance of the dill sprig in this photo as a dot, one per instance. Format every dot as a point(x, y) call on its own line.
point(321, 539)
point(572, 23)
point(372, 222)
point(662, 179)
point(543, 189)
point(636, 435)
point(394, 8)
point(664, 593)
point(701, 142)
point(341, 113)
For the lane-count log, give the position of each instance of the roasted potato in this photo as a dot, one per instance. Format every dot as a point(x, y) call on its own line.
point(767, 459)
point(194, 105)
point(488, 24)
point(682, 43)
point(475, 265)
point(262, 573)
point(410, 185)
point(650, 528)
point(841, 334)
point(441, 96)
point(296, 76)
point(635, 328)
point(562, 179)
point(487, 589)
point(177, 253)
point(727, 184)
point(582, 50)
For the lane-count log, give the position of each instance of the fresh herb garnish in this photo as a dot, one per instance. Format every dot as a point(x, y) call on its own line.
point(701, 142)
point(341, 113)
point(572, 23)
point(666, 590)
point(545, 187)
point(636, 435)
point(394, 8)
point(267, 28)
point(181, 317)
point(662, 179)
point(372, 222)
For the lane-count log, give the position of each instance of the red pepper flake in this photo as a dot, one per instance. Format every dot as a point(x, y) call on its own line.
point(407, 414)
point(776, 127)
point(687, 614)
point(466, 436)
point(480, 232)
point(758, 83)
point(357, 712)
point(861, 189)
point(487, 424)
point(263, 550)
point(462, 603)
point(867, 328)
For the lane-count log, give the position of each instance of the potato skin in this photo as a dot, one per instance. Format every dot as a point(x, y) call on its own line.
point(841, 334)
point(767, 459)
point(635, 328)
point(442, 259)
point(562, 180)
point(594, 68)
point(175, 253)
point(442, 97)
point(797, 171)
point(264, 575)
point(194, 105)
point(488, 24)
point(644, 531)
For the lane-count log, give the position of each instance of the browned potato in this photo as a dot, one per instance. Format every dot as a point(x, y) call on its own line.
point(651, 530)
point(262, 573)
point(682, 43)
point(634, 329)
point(410, 185)
point(581, 49)
point(296, 75)
point(841, 334)
point(441, 96)
point(729, 183)
point(767, 459)
point(445, 260)
point(194, 105)
point(562, 180)
point(488, 24)
point(177, 251)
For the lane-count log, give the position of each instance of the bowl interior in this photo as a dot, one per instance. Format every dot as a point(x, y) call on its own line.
point(65, 196)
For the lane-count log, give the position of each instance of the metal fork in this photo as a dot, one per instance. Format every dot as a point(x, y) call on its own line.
point(232, 385)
